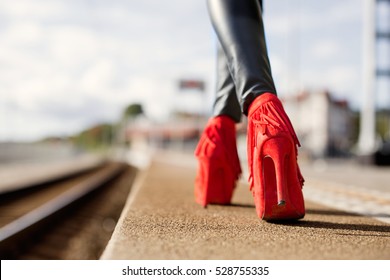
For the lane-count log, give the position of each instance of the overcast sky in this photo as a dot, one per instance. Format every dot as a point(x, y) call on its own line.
point(69, 64)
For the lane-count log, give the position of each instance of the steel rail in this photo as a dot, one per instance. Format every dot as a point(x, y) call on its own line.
point(13, 230)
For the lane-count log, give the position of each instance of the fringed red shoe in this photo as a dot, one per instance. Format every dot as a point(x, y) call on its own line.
point(219, 165)
point(275, 179)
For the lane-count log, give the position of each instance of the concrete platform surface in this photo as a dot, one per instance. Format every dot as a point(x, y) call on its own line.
point(162, 221)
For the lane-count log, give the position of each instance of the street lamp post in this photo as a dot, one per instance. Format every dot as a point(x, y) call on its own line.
point(366, 142)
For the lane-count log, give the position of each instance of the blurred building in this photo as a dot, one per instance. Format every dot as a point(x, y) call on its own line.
point(178, 132)
point(324, 125)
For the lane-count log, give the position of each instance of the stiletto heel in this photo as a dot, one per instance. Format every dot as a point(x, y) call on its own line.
point(276, 181)
point(278, 149)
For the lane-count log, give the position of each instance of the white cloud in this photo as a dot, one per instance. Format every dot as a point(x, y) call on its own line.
point(99, 76)
point(71, 46)
point(59, 58)
point(316, 45)
point(37, 9)
point(23, 33)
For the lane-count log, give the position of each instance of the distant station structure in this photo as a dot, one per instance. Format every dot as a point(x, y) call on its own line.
point(374, 68)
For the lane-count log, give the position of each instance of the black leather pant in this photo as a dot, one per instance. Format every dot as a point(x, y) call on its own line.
point(244, 70)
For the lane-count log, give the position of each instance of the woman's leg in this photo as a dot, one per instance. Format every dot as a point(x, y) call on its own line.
point(218, 162)
point(239, 27)
point(275, 178)
point(226, 101)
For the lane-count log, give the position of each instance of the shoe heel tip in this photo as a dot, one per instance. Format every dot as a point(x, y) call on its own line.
point(281, 203)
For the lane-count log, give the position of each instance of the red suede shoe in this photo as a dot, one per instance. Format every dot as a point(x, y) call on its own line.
point(275, 179)
point(219, 165)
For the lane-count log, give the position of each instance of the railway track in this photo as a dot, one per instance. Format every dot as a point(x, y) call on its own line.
point(70, 218)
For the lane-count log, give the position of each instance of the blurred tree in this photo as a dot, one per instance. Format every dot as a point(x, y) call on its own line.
point(383, 124)
point(102, 136)
point(130, 113)
point(133, 110)
point(99, 136)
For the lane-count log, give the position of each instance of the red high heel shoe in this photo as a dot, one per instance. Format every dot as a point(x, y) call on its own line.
point(275, 179)
point(219, 165)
